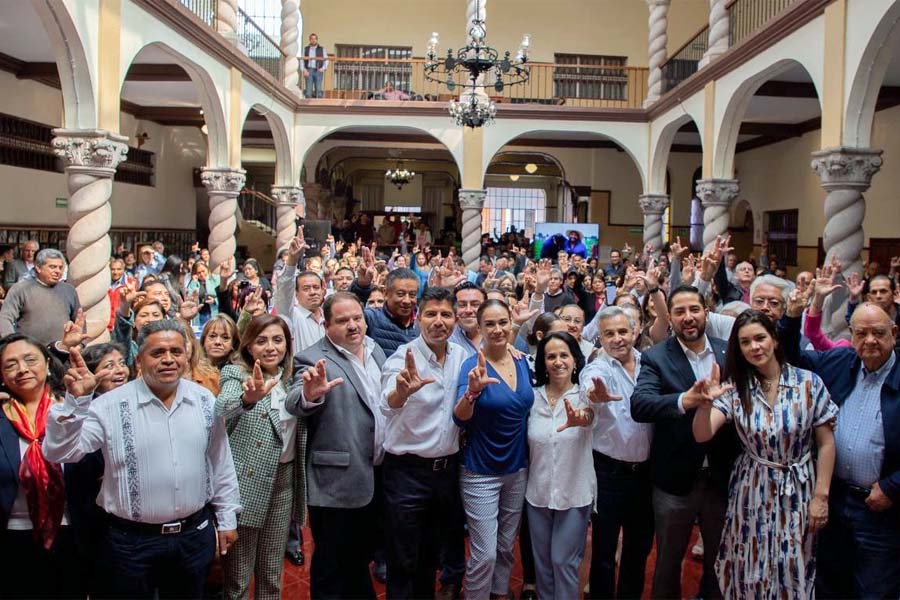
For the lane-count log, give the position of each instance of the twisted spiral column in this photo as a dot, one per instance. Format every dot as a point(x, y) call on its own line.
point(846, 173)
point(658, 39)
point(223, 185)
point(286, 198)
point(653, 206)
point(227, 19)
point(90, 158)
point(716, 196)
point(471, 201)
point(718, 31)
point(290, 33)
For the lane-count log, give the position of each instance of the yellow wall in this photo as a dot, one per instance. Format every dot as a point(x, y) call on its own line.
point(617, 27)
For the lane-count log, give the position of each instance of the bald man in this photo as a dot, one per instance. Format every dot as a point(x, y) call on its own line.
point(859, 549)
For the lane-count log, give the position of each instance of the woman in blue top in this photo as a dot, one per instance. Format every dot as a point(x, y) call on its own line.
point(495, 398)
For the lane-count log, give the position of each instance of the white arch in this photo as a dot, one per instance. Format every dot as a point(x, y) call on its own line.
point(75, 78)
point(869, 53)
point(662, 136)
point(284, 175)
point(555, 160)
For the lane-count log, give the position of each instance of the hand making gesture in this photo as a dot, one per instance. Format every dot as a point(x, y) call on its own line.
point(706, 390)
point(582, 417)
point(256, 387)
point(73, 331)
point(599, 394)
point(478, 377)
point(78, 379)
point(316, 384)
point(408, 381)
point(190, 306)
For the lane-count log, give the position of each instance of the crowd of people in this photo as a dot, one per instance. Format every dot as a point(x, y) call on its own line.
point(396, 403)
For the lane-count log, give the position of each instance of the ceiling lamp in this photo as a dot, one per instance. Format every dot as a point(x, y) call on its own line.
point(531, 168)
point(399, 176)
point(467, 69)
point(513, 177)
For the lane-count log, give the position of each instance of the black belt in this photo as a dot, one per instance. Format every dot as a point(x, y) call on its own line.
point(852, 490)
point(172, 527)
point(431, 464)
point(622, 464)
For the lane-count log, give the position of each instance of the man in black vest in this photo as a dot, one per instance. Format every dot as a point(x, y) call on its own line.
point(315, 61)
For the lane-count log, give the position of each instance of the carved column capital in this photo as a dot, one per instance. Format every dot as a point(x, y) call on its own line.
point(223, 180)
point(472, 199)
point(653, 204)
point(717, 192)
point(847, 168)
point(287, 194)
point(95, 149)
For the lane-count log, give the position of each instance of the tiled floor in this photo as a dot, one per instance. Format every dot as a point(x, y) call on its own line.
point(296, 579)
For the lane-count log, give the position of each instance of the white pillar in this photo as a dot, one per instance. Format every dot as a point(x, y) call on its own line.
point(227, 19)
point(472, 202)
point(846, 173)
point(653, 206)
point(287, 198)
point(223, 185)
point(90, 157)
point(716, 196)
point(718, 31)
point(658, 39)
point(290, 32)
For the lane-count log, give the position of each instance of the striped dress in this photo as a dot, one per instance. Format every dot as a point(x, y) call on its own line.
point(767, 550)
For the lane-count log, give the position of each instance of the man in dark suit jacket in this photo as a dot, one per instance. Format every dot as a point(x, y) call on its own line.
point(689, 479)
point(337, 388)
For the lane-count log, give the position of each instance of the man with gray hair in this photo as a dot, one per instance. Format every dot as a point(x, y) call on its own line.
point(41, 307)
point(621, 449)
point(169, 481)
point(770, 295)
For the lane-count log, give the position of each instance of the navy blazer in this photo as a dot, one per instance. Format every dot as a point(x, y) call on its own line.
point(838, 369)
point(676, 458)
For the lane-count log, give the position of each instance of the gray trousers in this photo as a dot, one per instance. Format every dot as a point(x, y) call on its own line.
point(558, 538)
point(674, 517)
point(493, 506)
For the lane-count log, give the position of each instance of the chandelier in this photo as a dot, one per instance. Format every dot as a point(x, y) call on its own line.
point(399, 176)
point(469, 67)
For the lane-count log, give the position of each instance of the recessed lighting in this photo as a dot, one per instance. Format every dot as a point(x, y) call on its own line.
point(531, 167)
point(514, 177)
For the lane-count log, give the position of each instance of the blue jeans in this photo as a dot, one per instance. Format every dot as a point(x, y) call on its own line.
point(859, 550)
point(314, 83)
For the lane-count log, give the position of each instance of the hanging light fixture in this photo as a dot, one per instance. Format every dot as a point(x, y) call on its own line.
point(513, 177)
point(467, 69)
point(399, 176)
point(531, 168)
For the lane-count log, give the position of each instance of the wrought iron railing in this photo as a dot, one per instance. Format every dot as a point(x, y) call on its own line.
point(261, 49)
point(27, 144)
point(685, 61)
point(205, 9)
point(748, 16)
point(256, 206)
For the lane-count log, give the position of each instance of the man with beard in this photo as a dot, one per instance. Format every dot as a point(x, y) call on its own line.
point(421, 472)
point(689, 479)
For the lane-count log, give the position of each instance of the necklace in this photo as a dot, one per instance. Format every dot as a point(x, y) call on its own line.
point(766, 384)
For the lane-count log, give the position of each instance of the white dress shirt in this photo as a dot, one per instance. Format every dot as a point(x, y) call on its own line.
point(287, 423)
point(701, 364)
point(615, 433)
point(560, 466)
point(306, 328)
point(424, 424)
point(161, 464)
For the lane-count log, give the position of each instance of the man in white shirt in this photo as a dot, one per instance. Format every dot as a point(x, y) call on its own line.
point(421, 472)
point(621, 462)
point(315, 61)
point(298, 299)
point(169, 479)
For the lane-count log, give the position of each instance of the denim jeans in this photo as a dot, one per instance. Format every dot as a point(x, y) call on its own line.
point(314, 83)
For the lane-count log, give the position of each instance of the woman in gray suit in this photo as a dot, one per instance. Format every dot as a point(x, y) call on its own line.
point(268, 445)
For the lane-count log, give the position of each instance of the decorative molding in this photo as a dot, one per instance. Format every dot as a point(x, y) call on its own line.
point(653, 203)
point(95, 149)
point(223, 180)
point(844, 168)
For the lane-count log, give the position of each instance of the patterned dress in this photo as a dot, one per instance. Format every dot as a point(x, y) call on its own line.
point(767, 550)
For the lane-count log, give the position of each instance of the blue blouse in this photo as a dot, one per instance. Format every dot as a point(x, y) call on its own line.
point(497, 433)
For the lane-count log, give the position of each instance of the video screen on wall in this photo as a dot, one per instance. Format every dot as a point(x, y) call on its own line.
point(575, 238)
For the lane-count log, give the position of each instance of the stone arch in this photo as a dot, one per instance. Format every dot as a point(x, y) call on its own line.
point(207, 95)
point(662, 148)
point(547, 155)
point(736, 107)
point(76, 83)
point(283, 163)
point(882, 47)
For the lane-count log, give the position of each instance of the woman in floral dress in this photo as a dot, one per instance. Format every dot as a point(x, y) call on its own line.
point(778, 492)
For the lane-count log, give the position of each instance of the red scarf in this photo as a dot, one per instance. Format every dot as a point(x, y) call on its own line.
point(41, 480)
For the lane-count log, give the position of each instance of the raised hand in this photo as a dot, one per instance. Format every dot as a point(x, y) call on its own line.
point(254, 304)
point(677, 249)
point(704, 391)
point(796, 303)
point(79, 380)
point(296, 248)
point(520, 313)
point(256, 387)
point(73, 331)
point(408, 380)
point(478, 377)
point(714, 386)
point(599, 394)
point(316, 384)
point(226, 269)
point(581, 417)
point(190, 306)
point(127, 299)
point(855, 285)
point(365, 271)
point(824, 283)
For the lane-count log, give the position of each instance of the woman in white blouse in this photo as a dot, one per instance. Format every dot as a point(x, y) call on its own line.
point(561, 480)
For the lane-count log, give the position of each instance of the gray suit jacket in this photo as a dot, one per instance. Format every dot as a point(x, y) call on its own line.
point(340, 431)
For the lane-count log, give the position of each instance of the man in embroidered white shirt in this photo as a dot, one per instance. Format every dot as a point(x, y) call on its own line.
point(169, 478)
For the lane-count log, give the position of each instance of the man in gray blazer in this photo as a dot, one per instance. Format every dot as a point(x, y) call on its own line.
point(337, 388)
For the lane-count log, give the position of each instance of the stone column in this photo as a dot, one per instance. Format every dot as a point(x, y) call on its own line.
point(657, 40)
point(653, 207)
point(227, 19)
point(223, 185)
point(287, 198)
point(718, 31)
point(716, 196)
point(846, 173)
point(290, 18)
point(90, 157)
point(471, 201)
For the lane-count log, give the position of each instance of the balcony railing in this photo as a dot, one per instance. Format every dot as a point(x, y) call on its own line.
point(553, 84)
point(256, 206)
point(205, 9)
point(746, 17)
